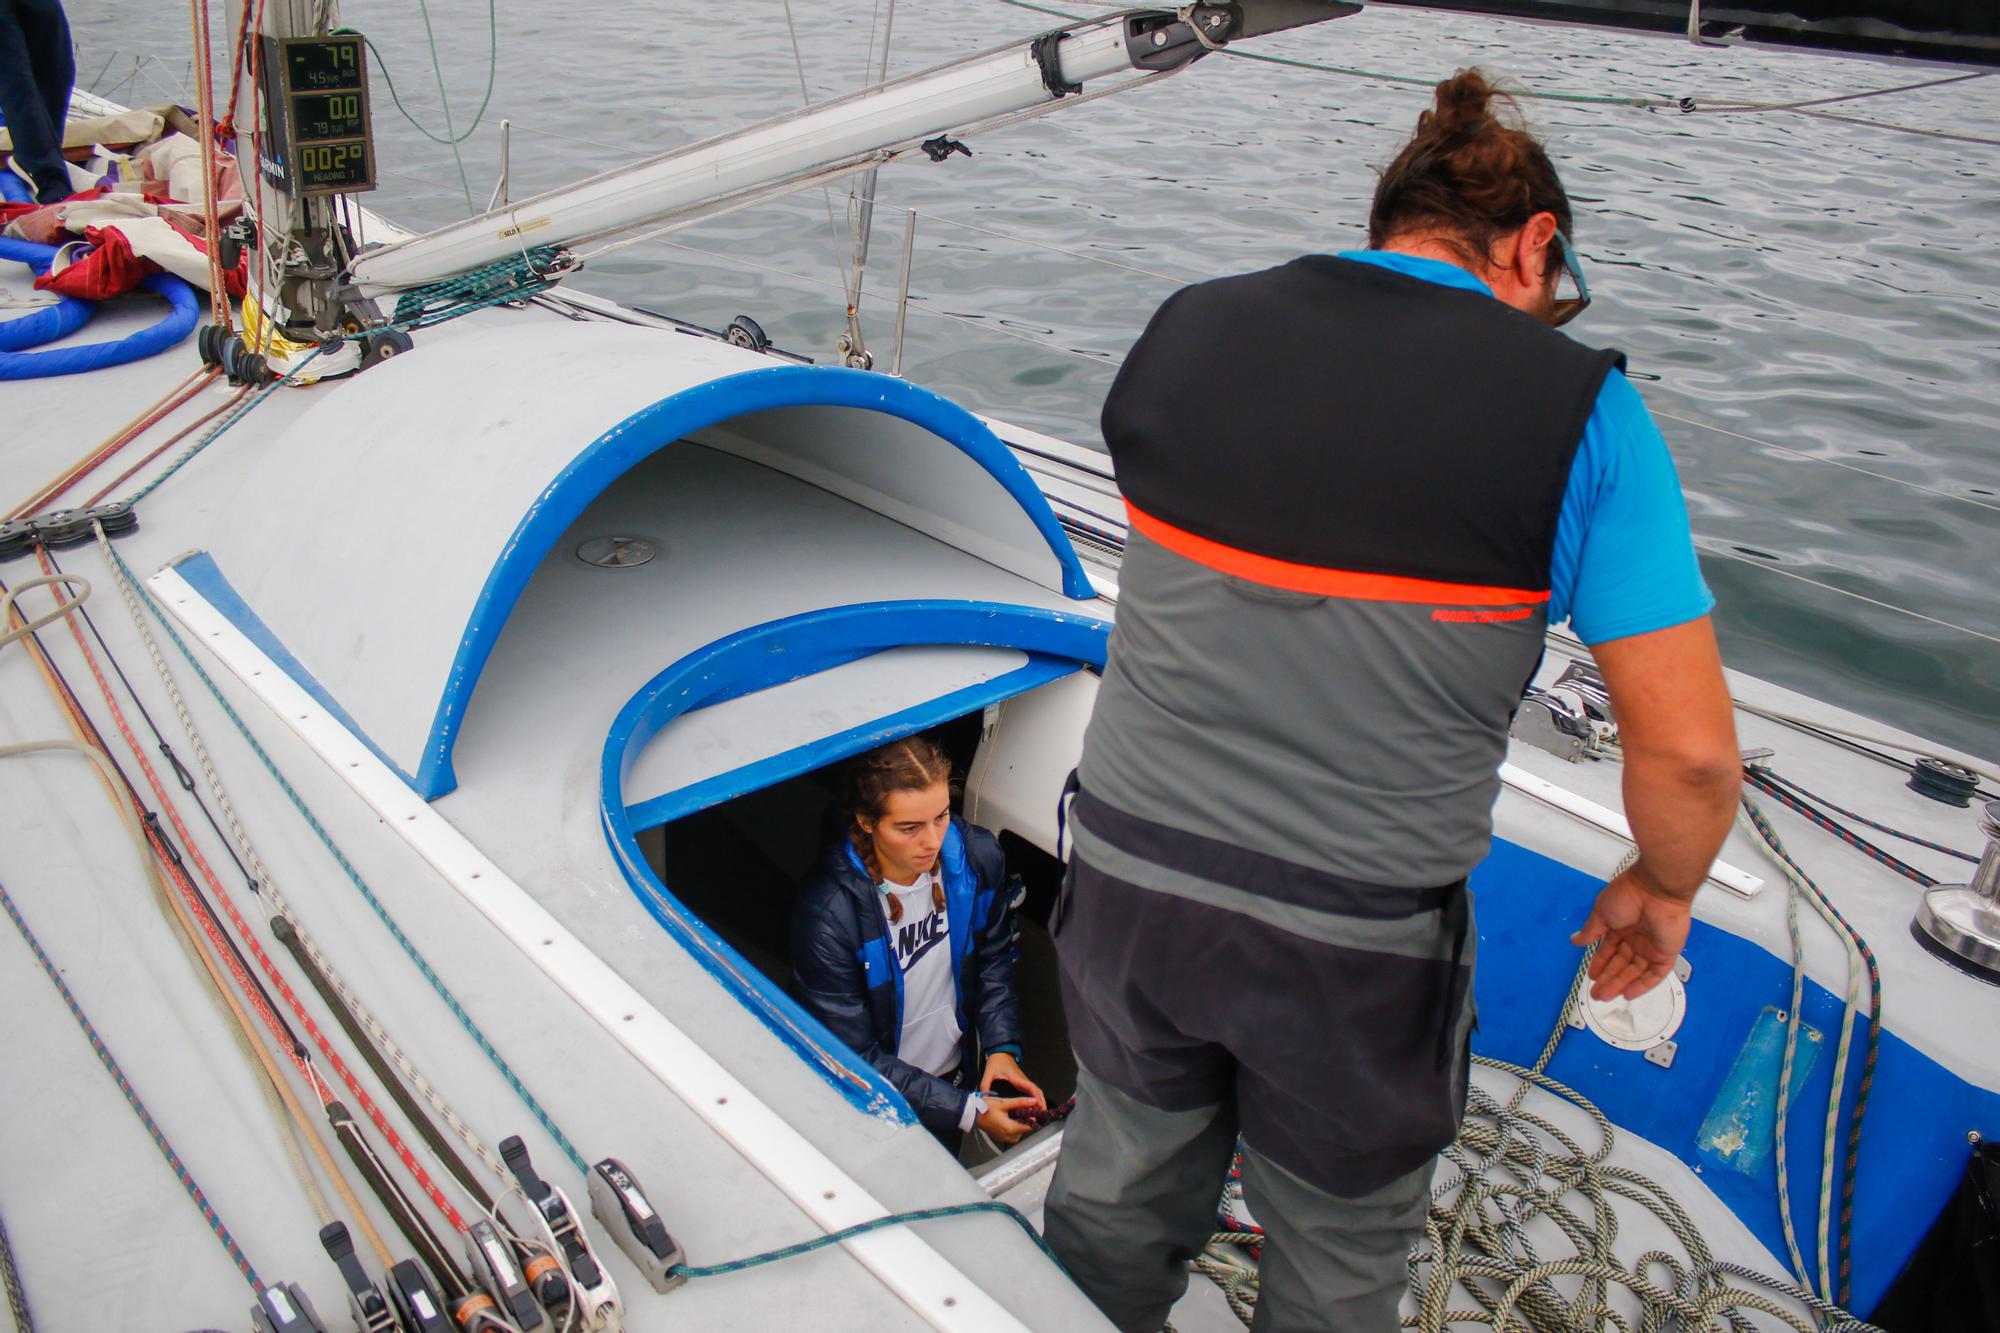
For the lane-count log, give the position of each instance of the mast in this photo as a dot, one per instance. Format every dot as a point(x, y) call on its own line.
point(313, 143)
point(837, 138)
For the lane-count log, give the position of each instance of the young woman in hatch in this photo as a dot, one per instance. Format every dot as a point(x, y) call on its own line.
point(903, 944)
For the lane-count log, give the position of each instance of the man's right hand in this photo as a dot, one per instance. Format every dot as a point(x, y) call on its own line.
point(1638, 930)
point(1001, 1126)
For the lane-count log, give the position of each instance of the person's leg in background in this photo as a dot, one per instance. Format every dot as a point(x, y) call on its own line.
point(1134, 1199)
point(37, 68)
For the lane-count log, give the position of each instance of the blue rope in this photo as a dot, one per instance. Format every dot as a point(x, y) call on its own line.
point(181, 1173)
point(354, 877)
point(183, 311)
point(215, 432)
point(861, 1228)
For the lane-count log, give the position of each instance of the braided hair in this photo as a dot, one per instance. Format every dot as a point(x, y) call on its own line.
point(915, 763)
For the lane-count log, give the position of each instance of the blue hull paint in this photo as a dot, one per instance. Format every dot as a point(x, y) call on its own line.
point(1913, 1147)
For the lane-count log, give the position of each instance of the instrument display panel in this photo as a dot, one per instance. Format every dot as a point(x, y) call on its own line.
point(319, 137)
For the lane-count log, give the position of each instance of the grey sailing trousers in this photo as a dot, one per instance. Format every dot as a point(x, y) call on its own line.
point(1134, 1198)
point(1333, 1039)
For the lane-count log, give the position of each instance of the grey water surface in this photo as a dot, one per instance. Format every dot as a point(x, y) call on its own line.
point(1818, 299)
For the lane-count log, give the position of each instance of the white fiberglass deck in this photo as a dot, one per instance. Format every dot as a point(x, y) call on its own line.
point(83, 1187)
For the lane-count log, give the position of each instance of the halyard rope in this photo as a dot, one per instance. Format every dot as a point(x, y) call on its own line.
point(136, 597)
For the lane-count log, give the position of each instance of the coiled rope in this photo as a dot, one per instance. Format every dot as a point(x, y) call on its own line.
point(1514, 1166)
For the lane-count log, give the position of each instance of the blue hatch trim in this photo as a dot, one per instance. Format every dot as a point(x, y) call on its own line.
point(201, 573)
point(673, 418)
point(1913, 1145)
point(669, 806)
point(771, 654)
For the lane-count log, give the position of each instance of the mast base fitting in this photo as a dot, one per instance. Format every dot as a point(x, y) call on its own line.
point(65, 527)
point(1960, 923)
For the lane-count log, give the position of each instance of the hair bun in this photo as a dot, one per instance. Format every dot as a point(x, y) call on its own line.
point(1463, 103)
point(1471, 172)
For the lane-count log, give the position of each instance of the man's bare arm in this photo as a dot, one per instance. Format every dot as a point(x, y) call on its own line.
point(1677, 730)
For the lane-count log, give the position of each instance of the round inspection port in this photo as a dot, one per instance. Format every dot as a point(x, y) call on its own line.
point(618, 551)
point(1640, 1023)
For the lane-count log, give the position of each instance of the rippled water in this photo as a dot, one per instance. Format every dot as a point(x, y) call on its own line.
point(1820, 301)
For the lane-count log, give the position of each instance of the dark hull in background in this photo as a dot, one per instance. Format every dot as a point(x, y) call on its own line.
point(1959, 31)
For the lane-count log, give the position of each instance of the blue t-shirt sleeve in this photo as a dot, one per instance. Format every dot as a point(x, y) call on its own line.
point(1624, 561)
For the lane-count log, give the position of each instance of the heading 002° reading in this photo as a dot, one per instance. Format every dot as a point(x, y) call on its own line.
point(333, 161)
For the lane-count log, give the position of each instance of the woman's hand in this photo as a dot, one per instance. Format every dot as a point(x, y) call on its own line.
point(1001, 1065)
point(1004, 1129)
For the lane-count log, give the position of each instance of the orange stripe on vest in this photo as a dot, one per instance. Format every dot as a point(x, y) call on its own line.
point(1346, 583)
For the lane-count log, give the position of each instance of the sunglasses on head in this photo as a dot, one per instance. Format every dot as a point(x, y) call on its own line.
point(1563, 309)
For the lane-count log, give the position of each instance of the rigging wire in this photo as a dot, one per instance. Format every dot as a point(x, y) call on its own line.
point(826, 192)
point(1725, 107)
point(1822, 458)
point(1640, 101)
point(1715, 548)
point(450, 137)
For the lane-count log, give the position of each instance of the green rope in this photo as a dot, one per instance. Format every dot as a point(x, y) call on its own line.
point(444, 100)
point(493, 284)
point(215, 433)
point(862, 1228)
point(408, 947)
point(451, 138)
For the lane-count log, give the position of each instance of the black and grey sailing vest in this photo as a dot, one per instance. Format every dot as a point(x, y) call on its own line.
point(1343, 485)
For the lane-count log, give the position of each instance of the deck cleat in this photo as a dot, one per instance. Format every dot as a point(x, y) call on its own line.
point(282, 1307)
point(625, 1211)
point(587, 1283)
point(365, 1301)
point(1960, 923)
point(497, 1274)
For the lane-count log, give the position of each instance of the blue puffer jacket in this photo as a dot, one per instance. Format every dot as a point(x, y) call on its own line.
point(845, 971)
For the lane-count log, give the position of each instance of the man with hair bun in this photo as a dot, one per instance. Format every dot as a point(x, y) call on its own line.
point(1361, 488)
